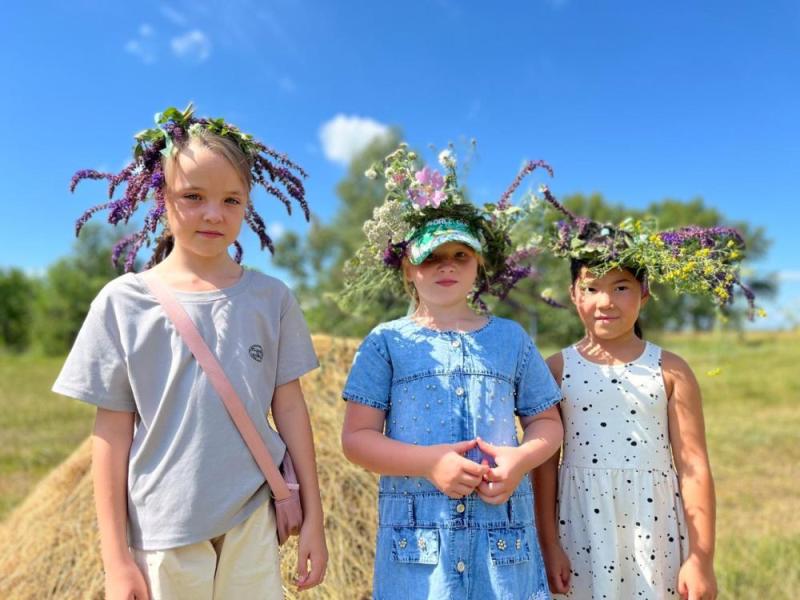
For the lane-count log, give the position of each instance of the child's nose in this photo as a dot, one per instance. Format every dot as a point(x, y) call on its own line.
point(213, 213)
point(605, 300)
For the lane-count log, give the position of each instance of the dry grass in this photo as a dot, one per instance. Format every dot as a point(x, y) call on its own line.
point(54, 549)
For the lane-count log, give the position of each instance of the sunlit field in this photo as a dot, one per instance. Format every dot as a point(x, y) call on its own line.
point(751, 391)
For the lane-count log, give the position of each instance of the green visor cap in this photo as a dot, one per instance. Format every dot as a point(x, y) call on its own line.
point(435, 233)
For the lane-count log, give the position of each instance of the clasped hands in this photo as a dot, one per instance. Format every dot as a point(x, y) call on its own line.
point(457, 476)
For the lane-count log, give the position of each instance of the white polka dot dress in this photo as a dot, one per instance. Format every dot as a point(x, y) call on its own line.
point(620, 514)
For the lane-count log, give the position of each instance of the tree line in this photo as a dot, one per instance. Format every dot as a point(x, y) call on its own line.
point(43, 314)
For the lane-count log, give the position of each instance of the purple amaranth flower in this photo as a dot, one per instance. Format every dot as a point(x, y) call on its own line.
point(120, 246)
point(556, 204)
point(429, 191)
point(706, 237)
point(529, 168)
point(86, 216)
point(87, 174)
point(394, 253)
point(157, 179)
point(256, 223)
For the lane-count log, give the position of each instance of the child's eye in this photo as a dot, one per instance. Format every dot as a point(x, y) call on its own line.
point(622, 288)
point(461, 255)
point(232, 200)
point(192, 197)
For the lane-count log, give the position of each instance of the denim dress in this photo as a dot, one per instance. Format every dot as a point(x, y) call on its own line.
point(441, 387)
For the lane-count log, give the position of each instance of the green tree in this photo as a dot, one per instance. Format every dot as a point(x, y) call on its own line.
point(70, 285)
point(16, 318)
point(316, 262)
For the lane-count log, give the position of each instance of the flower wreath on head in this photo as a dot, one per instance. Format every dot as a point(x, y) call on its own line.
point(416, 198)
point(144, 179)
point(692, 260)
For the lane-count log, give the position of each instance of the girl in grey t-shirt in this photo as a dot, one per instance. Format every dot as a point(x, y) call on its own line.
point(183, 509)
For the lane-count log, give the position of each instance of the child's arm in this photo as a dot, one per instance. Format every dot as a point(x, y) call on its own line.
point(111, 444)
point(443, 465)
point(687, 437)
point(542, 435)
point(545, 485)
point(293, 423)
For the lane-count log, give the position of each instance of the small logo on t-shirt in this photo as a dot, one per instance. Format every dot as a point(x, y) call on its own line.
point(256, 352)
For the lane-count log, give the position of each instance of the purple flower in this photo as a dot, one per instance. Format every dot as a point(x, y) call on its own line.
point(429, 191)
point(529, 168)
point(393, 254)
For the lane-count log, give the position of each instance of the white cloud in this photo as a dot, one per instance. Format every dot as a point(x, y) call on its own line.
point(194, 46)
point(345, 136)
point(144, 45)
point(173, 15)
point(789, 276)
point(276, 230)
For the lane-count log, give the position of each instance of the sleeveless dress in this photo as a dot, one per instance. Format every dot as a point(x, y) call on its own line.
point(620, 513)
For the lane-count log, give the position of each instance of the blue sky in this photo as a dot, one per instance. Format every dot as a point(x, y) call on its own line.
point(639, 101)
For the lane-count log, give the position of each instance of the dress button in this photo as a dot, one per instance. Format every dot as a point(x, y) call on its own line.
point(461, 566)
point(460, 508)
point(455, 343)
point(459, 391)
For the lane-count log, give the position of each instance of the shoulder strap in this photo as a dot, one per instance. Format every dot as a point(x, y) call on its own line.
point(233, 404)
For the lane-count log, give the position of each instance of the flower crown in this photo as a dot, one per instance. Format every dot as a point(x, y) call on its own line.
point(416, 197)
point(144, 177)
point(694, 260)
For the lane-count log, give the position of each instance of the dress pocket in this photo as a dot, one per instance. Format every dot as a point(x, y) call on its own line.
point(415, 545)
point(509, 546)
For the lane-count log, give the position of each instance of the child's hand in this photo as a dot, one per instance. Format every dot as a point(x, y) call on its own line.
point(452, 473)
point(557, 565)
point(125, 581)
point(311, 547)
point(696, 580)
point(501, 481)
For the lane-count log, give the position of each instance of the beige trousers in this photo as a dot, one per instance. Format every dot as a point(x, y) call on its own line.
point(242, 564)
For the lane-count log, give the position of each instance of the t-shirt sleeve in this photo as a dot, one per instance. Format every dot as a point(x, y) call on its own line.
point(536, 388)
point(296, 354)
point(370, 379)
point(96, 370)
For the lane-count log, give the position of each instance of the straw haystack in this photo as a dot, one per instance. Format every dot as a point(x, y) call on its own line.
point(50, 543)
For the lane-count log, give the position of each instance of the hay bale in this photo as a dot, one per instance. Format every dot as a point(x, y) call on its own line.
point(51, 547)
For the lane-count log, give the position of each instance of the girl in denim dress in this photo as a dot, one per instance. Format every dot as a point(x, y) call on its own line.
point(432, 400)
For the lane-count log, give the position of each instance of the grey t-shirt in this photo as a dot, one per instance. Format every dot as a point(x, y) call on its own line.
point(190, 475)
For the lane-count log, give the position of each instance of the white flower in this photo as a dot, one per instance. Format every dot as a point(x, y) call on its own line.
point(447, 158)
point(412, 155)
point(370, 173)
point(391, 185)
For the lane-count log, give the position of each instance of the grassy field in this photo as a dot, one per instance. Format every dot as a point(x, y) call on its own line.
point(752, 416)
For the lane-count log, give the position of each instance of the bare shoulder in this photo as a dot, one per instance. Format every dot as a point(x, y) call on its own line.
point(673, 364)
point(555, 362)
point(678, 375)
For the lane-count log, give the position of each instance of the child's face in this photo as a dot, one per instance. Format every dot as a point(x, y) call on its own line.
point(206, 201)
point(446, 276)
point(608, 305)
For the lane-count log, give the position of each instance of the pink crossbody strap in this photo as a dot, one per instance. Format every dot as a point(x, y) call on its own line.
point(209, 363)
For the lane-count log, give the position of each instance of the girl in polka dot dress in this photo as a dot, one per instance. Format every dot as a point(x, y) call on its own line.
point(629, 512)
point(628, 408)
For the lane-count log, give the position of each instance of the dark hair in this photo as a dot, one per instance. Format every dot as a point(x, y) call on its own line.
point(576, 265)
